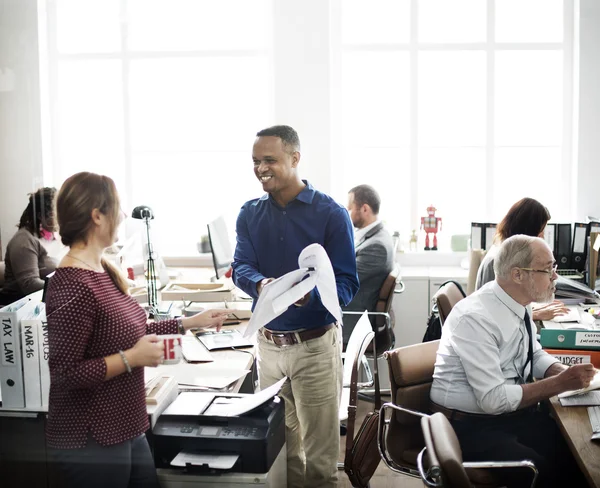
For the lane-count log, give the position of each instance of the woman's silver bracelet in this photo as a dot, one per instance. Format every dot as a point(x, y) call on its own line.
point(125, 361)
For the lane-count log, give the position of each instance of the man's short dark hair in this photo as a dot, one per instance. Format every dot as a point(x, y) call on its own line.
point(289, 137)
point(366, 194)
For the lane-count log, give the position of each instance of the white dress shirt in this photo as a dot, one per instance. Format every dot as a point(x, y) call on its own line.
point(359, 234)
point(483, 349)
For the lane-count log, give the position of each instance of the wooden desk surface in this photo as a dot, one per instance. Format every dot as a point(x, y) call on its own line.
point(575, 426)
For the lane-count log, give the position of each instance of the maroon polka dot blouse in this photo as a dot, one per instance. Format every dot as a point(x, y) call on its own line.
point(90, 318)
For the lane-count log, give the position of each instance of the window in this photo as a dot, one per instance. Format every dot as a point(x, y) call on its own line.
point(146, 92)
point(463, 104)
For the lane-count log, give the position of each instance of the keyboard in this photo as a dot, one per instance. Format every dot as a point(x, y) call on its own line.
point(570, 273)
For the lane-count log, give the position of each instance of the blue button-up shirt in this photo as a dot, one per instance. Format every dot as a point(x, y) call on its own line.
point(270, 239)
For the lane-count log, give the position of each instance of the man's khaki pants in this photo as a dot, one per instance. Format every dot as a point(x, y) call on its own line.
point(312, 399)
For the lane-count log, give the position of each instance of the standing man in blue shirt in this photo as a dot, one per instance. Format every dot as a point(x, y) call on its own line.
point(304, 342)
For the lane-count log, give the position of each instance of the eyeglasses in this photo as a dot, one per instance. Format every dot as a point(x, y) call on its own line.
point(550, 272)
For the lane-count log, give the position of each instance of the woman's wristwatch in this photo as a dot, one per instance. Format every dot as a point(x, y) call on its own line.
point(180, 326)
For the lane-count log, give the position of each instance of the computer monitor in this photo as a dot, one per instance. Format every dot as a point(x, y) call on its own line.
point(220, 246)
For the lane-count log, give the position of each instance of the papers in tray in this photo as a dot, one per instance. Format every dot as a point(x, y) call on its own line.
point(232, 407)
point(214, 461)
point(315, 270)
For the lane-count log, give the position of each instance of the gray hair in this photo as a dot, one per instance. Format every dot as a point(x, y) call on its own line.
point(515, 252)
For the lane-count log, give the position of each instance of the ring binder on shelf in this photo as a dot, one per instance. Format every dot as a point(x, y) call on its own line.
point(482, 235)
point(579, 249)
point(562, 246)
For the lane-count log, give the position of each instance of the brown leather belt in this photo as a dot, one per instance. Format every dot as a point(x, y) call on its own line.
point(461, 416)
point(291, 338)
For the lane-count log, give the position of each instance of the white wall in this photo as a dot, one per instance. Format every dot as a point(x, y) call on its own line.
point(588, 178)
point(20, 133)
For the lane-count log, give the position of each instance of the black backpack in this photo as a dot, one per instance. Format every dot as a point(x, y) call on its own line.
point(434, 323)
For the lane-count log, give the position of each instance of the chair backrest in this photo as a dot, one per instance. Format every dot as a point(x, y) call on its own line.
point(384, 329)
point(443, 451)
point(362, 336)
point(411, 374)
point(477, 256)
point(446, 298)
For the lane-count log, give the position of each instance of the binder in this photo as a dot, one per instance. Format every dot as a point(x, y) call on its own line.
point(579, 248)
point(482, 235)
point(43, 349)
point(550, 235)
point(31, 358)
point(477, 236)
point(583, 339)
point(562, 246)
point(11, 363)
point(490, 233)
point(569, 357)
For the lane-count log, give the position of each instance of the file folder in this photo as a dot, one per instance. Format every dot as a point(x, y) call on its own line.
point(482, 235)
point(579, 249)
point(11, 361)
point(562, 246)
point(550, 235)
point(490, 233)
point(477, 236)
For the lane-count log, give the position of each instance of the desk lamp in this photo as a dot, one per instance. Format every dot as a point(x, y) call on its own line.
point(145, 213)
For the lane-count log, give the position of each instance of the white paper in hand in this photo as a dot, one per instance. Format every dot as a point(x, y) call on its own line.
point(314, 270)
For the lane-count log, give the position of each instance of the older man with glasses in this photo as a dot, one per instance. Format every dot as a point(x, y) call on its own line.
point(486, 364)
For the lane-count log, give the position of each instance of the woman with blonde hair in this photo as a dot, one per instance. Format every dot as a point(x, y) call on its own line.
point(99, 343)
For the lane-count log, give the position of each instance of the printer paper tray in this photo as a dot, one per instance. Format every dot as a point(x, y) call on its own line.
point(211, 460)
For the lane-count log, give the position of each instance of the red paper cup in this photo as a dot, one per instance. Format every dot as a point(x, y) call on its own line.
point(172, 352)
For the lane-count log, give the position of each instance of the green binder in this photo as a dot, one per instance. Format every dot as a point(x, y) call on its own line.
point(570, 339)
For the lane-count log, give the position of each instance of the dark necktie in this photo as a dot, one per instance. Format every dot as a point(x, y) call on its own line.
point(530, 350)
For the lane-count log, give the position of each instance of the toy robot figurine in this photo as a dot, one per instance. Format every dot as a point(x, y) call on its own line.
point(430, 225)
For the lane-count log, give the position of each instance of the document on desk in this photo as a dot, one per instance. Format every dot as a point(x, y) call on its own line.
point(314, 270)
point(594, 385)
point(214, 461)
point(589, 399)
point(571, 316)
point(208, 375)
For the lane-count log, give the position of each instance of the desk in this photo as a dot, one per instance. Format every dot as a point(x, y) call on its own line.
point(575, 426)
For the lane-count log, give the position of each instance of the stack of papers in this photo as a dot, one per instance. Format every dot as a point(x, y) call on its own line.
point(583, 396)
point(276, 297)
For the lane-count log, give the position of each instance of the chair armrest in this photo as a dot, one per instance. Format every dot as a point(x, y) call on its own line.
point(433, 476)
point(382, 427)
point(525, 463)
point(402, 286)
point(382, 314)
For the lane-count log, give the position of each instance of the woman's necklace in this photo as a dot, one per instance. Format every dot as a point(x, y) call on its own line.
point(82, 261)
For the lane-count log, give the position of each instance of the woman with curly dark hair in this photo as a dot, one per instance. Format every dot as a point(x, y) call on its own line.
point(27, 261)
